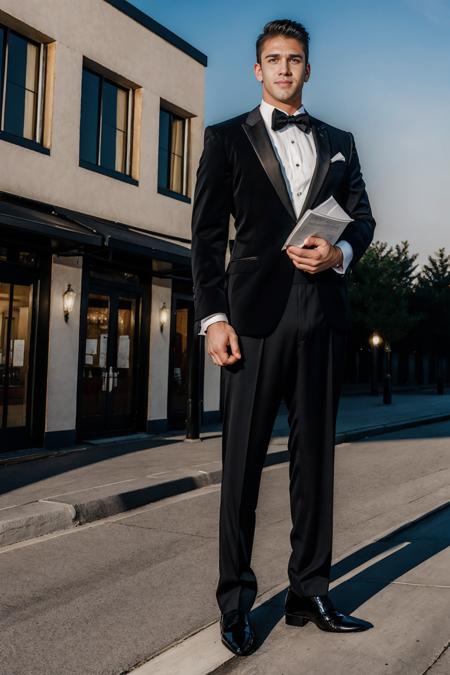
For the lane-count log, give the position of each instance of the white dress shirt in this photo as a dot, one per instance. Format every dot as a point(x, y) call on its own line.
point(296, 152)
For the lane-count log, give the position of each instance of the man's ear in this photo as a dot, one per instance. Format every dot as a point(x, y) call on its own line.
point(258, 72)
point(307, 72)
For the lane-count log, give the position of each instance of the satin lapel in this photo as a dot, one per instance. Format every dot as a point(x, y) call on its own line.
point(322, 142)
point(256, 131)
point(257, 134)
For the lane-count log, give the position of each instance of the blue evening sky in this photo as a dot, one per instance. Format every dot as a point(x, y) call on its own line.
point(379, 69)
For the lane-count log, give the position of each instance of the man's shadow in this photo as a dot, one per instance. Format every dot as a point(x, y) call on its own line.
point(421, 539)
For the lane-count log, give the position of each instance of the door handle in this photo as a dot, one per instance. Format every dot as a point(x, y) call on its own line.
point(110, 379)
point(104, 380)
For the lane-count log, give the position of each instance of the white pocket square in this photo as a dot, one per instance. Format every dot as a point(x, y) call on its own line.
point(338, 157)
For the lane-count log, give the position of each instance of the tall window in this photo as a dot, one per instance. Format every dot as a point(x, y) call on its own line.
point(104, 132)
point(172, 174)
point(22, 68)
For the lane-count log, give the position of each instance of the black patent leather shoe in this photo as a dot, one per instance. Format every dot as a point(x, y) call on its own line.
point(320, 610)
point(236, 632)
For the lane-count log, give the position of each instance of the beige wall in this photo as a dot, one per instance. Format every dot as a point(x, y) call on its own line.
point(95, 29)
point(63, 347)
point(159, 351)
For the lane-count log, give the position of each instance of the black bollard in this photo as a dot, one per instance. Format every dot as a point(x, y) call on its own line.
point(387, 389)
point(193, 401)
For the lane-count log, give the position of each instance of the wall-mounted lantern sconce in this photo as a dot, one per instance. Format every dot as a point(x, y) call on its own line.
point(68, 301)
point(163, 316)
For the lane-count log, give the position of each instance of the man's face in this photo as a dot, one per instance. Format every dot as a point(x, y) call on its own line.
point(283, 69)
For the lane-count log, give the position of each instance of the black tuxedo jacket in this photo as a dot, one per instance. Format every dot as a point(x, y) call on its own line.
point(239, 174)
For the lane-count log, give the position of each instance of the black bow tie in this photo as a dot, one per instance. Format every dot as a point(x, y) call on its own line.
point(280, 120)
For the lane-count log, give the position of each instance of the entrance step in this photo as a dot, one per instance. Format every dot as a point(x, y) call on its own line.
point(119, 439)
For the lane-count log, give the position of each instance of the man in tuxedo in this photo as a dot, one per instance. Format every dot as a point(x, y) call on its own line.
point(276, 322)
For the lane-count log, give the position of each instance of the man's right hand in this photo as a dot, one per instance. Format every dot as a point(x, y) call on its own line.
point(218, 336)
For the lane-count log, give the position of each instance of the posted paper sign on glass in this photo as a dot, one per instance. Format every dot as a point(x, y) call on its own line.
point(18, 352)
point(123, 354)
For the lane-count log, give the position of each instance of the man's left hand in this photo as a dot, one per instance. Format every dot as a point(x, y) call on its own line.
point(319, 256)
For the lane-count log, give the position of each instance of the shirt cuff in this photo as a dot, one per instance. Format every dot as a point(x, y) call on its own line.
point(347, 252)
point(208, 320)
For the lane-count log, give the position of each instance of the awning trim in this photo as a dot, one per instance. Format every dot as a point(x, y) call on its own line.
point(68, 225)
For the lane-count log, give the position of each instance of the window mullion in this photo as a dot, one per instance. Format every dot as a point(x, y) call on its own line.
point(5, 71)
point(169, 163)
point(185, 153)
point(37, 131)
point(130, 102)
point(100, 122)
point(2, 74)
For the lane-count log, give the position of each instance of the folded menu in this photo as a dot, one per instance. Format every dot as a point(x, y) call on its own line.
point(328, 220)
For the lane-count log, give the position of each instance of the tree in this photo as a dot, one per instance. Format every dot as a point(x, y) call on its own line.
point(432, 302)
point(381, 292)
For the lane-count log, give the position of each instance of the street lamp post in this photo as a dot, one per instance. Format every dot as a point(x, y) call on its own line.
point(387, 387)
point(375, 341)
point(440, 376)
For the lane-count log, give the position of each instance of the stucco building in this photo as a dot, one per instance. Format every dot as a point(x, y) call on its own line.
point(101, 132)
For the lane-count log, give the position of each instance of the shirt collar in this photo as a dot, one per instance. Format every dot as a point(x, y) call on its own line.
point(267, 110)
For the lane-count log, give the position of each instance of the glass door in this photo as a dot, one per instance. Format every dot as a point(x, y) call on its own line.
point(123, 369)
point(16, 304)
point(182, 326)
point(108, 381)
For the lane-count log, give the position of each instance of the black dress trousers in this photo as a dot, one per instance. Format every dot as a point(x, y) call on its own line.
point(302, 361)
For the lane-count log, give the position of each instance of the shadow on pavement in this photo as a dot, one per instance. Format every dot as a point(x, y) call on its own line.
point(421, 540)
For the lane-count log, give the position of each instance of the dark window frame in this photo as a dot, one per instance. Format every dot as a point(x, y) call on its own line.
point(98, 167)
point(31, 144)
point(165, 189)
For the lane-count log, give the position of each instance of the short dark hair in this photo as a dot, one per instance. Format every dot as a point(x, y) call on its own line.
point(286, 27)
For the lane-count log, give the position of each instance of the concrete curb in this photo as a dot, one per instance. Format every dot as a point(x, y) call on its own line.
point(358, 434)
point(19, 523)
point(33, 454)
point(138, 493)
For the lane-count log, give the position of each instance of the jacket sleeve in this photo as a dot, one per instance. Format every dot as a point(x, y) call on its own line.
point(358, 233)
point(210, 226)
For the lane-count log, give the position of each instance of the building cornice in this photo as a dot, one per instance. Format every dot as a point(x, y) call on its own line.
point(158, 29)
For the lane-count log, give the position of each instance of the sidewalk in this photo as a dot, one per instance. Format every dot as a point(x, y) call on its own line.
point(399, 580)
point(139, 587)
point(83, 484)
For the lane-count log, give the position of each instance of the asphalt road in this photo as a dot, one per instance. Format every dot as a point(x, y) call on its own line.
point(105, 597)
